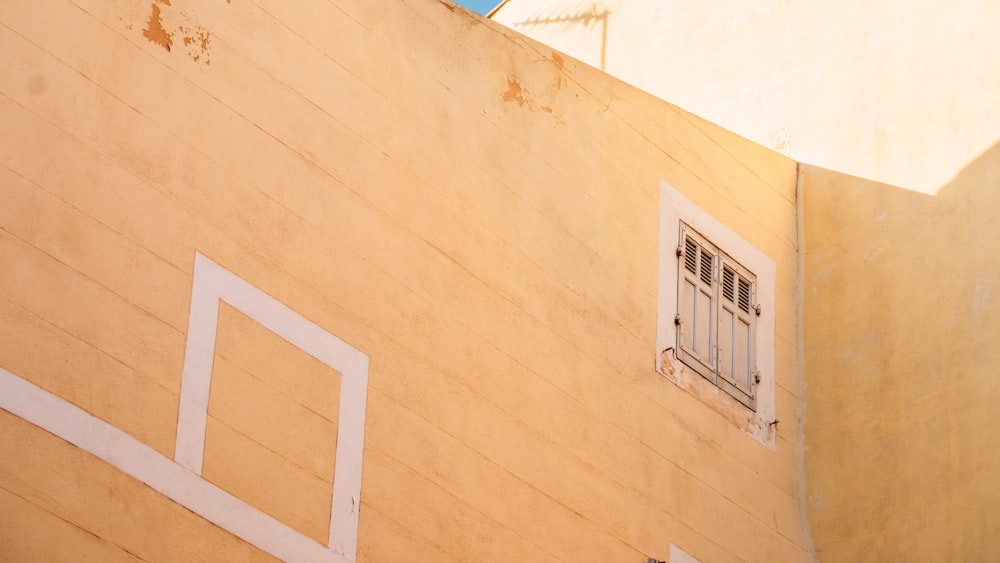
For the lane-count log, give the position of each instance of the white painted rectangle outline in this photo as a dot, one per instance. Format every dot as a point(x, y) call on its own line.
point(180, 479)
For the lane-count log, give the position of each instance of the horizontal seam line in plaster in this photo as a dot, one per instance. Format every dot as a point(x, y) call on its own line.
point(429, 538)
point(316, 48)
point(679, 163)
point(84, 274)
point(88, 345)
point(82, 211)
point(460, 500)
point(505, 354)
point(279, 203)
point(329, 484)
point(285, 457)
point(94, 283)
point(80, 527)
point(531, 485)
point(621, 221)
point(347, 186)
point(626, 433)
point(711, 489)
point(266, 195)
point(683, 116)
point(59, 327)
point(322, 169)
point(273, 388)
point(302, 95)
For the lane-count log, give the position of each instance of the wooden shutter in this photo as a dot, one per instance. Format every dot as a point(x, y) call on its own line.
point(737, 331)
point(696, 299)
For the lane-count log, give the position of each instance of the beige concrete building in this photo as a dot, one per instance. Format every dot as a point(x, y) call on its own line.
point(357, 281)
point(897, 92)
point(897, 317)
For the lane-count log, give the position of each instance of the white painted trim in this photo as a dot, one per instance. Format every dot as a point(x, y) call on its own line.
point(678, 555)
point(175, 481)
point(212, 284)
point(674, 208)
point(181, 480)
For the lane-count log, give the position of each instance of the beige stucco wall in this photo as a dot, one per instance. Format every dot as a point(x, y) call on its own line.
point(901, 317)
point(887, 90)
point(473, 211)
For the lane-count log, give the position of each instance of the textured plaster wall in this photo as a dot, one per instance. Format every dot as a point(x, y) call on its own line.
point(473, 211)
point(888, 90)
point(901, 319)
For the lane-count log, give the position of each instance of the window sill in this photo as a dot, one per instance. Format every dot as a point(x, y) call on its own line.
point(718, 400)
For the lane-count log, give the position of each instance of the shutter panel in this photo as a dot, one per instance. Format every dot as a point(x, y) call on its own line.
point(696, 300)
point(703, 306)
point(737, 323)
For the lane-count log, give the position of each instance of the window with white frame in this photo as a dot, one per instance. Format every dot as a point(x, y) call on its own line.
point(721, 289)
point(717, 310)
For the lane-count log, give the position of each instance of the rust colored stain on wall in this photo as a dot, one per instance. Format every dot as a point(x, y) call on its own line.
point(557, 60)
point(514, 92)
point(198, 42)
point(155, 31)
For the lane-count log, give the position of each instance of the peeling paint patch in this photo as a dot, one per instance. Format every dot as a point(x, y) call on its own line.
point(514, 93)
point(155, 32)
point(168, 27)
point(198, 42)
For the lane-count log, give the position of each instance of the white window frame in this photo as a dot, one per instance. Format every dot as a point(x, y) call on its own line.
point(675, 210)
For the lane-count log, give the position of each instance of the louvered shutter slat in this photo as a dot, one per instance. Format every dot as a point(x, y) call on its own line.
point(703, 325)
point(688, 291)
point(741, 372)
point(727, 327)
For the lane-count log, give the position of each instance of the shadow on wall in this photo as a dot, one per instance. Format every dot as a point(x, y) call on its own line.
point(902, 369)
point(587, 18)
point(976, 165)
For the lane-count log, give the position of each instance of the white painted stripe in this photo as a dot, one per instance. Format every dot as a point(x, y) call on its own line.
point(678, 555)
point(196, 377)
point(173, 480)
point(181, 480)
point(212, 283)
